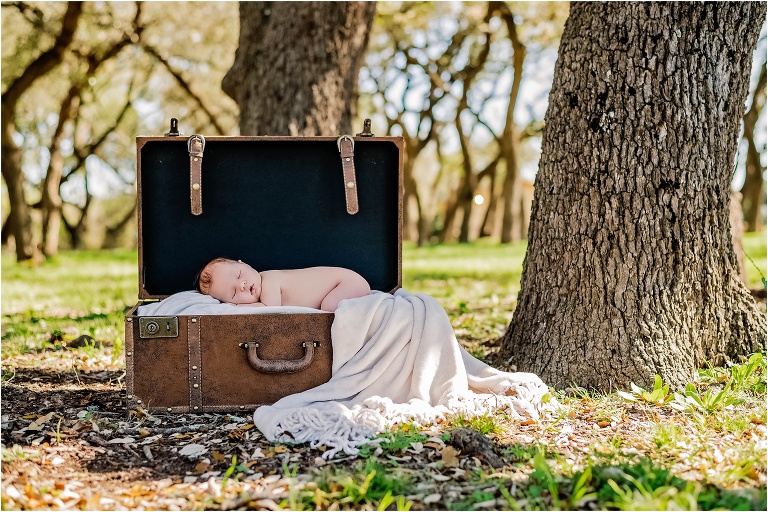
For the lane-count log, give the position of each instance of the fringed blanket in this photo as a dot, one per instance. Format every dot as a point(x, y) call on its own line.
point(395, 359)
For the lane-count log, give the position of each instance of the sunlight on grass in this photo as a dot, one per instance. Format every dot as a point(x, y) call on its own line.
point(702, 447)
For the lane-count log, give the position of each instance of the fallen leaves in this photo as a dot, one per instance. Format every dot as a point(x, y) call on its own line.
point(193, 450)
point(449, 457)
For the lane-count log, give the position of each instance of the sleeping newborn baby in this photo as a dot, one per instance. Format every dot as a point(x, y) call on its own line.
point(238, 283)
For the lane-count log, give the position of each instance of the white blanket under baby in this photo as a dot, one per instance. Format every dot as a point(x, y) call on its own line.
point(395, 359)
point(194, 303)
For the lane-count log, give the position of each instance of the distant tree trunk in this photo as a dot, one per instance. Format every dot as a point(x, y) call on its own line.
point(752, 190)
point(489, 219)
point(51, 196)
point(630, 269)
point(19, 215)
point(295, 71)
point(737, 232)
point(511, 220)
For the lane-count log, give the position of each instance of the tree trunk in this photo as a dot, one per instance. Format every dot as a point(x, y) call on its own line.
point(752, 190)
point(295, 71)
point(511, 220)
point(19, 215)
point(19, 218)
point(51, 195)
point(630, 269)
point(737, 233)
point(489, 219)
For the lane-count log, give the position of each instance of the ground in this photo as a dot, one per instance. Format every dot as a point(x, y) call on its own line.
point(70, 442)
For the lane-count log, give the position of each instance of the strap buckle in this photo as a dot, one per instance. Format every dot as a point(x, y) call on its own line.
point(197, 137)
point(338, 141)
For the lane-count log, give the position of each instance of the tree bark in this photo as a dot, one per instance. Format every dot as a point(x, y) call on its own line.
point(19, 215)
point(511, 220)
point(630, 269)
point(752, 190)
point(295, 71)
point(50, 201)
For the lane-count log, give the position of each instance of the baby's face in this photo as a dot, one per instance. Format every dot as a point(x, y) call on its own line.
point(235, 282)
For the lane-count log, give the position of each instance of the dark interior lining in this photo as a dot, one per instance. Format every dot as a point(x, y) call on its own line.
point(274, 204)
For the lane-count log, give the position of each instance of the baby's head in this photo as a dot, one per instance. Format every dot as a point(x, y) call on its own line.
point(229, 281)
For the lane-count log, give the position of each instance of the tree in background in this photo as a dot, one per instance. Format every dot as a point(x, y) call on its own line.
point(19, 218)
point(753, 189)
point(630, 270)
point(129, 68)
point(296, 68)
point(438, 74)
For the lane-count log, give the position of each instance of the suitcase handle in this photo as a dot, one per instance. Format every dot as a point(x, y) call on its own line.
point(280, 365)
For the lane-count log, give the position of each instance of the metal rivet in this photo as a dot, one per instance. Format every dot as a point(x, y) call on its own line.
point(195, 159)
point(194, 320)
point(351, 184)
point(128, 353)
point(196, 186)
point(170, 409)
point(128, 396)
point(242, 407)
point(347, 159)
point(195, 408)
point(195, 385)
point(129, 319)
point(194, 367)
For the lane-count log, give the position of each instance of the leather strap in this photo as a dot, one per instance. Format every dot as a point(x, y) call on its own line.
point(196, 145)
point(346, 146)
point(195, 365)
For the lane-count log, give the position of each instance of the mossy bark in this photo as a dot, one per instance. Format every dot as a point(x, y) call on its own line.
point(630, 269)
point(296, 68)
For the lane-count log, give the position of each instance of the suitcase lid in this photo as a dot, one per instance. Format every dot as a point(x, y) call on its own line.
point(273, 202)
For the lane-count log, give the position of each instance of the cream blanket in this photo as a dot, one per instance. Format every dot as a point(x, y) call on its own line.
point(395, 359)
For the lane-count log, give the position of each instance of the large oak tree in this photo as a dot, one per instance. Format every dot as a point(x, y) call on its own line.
point(630, 269)
point(296, 68)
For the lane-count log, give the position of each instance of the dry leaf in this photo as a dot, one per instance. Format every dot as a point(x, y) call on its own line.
point(191, 450)
point(39, 422)
point(201, 468)
point(603, 424)
point(121, 440)
point(218, 455)
point(449, 457)
point(416, 447)
point(432, 498)
point(280, 449)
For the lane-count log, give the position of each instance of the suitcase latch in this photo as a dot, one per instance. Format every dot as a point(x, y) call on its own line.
point(158, 326)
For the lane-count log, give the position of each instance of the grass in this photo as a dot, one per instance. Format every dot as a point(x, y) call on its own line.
point(703, 448)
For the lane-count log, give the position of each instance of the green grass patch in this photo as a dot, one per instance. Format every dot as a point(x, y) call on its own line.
point(702, 448)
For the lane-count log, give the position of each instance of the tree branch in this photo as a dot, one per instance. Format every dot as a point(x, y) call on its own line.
point(48, 59)
point(184, 85)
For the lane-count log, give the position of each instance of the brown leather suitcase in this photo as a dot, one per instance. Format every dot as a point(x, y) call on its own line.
point(275, 203)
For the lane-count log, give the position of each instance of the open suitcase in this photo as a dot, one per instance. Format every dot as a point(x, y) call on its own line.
point(275, 203)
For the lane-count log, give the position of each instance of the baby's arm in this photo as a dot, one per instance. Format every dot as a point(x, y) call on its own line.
point(351, 285)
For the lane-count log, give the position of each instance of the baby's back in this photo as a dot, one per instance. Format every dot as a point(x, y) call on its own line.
point(315, 287)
